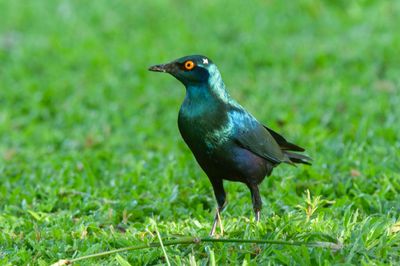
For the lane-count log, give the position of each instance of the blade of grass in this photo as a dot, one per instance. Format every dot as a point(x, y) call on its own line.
point(161, 244)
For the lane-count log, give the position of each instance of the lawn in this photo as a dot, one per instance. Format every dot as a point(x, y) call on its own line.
point(91, 158)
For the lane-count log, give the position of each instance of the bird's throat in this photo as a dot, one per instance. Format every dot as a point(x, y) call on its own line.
point(198, 101)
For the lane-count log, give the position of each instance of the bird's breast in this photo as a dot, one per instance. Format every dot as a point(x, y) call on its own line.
point(203, 129)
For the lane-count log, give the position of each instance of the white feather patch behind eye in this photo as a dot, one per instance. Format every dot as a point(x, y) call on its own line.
point(205, 61)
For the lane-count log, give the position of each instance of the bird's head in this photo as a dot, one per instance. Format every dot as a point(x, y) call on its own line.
point(190, 70)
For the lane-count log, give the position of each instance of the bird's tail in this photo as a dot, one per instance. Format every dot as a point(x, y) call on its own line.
point(298, 158)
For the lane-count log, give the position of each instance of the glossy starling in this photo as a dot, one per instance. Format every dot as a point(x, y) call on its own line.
point(226, 140)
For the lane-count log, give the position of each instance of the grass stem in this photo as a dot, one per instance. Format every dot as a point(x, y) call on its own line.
point(197, 240)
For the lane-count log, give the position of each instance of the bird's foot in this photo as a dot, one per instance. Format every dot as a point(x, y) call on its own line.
point(212, 232)
point(257, 216)
point(221, 226)
point(217, 220)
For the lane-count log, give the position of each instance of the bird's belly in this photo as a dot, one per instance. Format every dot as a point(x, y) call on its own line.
point(234, 163)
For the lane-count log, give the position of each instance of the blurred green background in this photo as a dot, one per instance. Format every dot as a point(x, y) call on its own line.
point(91, 157)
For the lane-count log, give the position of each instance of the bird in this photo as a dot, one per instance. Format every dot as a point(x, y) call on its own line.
point(227, 141)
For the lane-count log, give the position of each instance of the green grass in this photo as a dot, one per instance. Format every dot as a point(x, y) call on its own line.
point(91, 158)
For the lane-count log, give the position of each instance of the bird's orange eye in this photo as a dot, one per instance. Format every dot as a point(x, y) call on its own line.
point(189, 65)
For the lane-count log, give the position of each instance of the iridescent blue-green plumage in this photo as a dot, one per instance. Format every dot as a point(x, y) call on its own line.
point(226, 140)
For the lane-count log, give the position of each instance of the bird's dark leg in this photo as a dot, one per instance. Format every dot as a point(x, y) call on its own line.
point(220, 195)
point(256, 199)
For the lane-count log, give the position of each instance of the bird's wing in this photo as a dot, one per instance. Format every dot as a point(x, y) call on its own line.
point(283, 143)
point(251, 135)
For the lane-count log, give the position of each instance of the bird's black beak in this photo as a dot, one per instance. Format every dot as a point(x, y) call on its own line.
point(161, 68)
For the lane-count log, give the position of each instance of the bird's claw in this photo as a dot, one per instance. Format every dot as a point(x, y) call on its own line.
point(217, 220)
